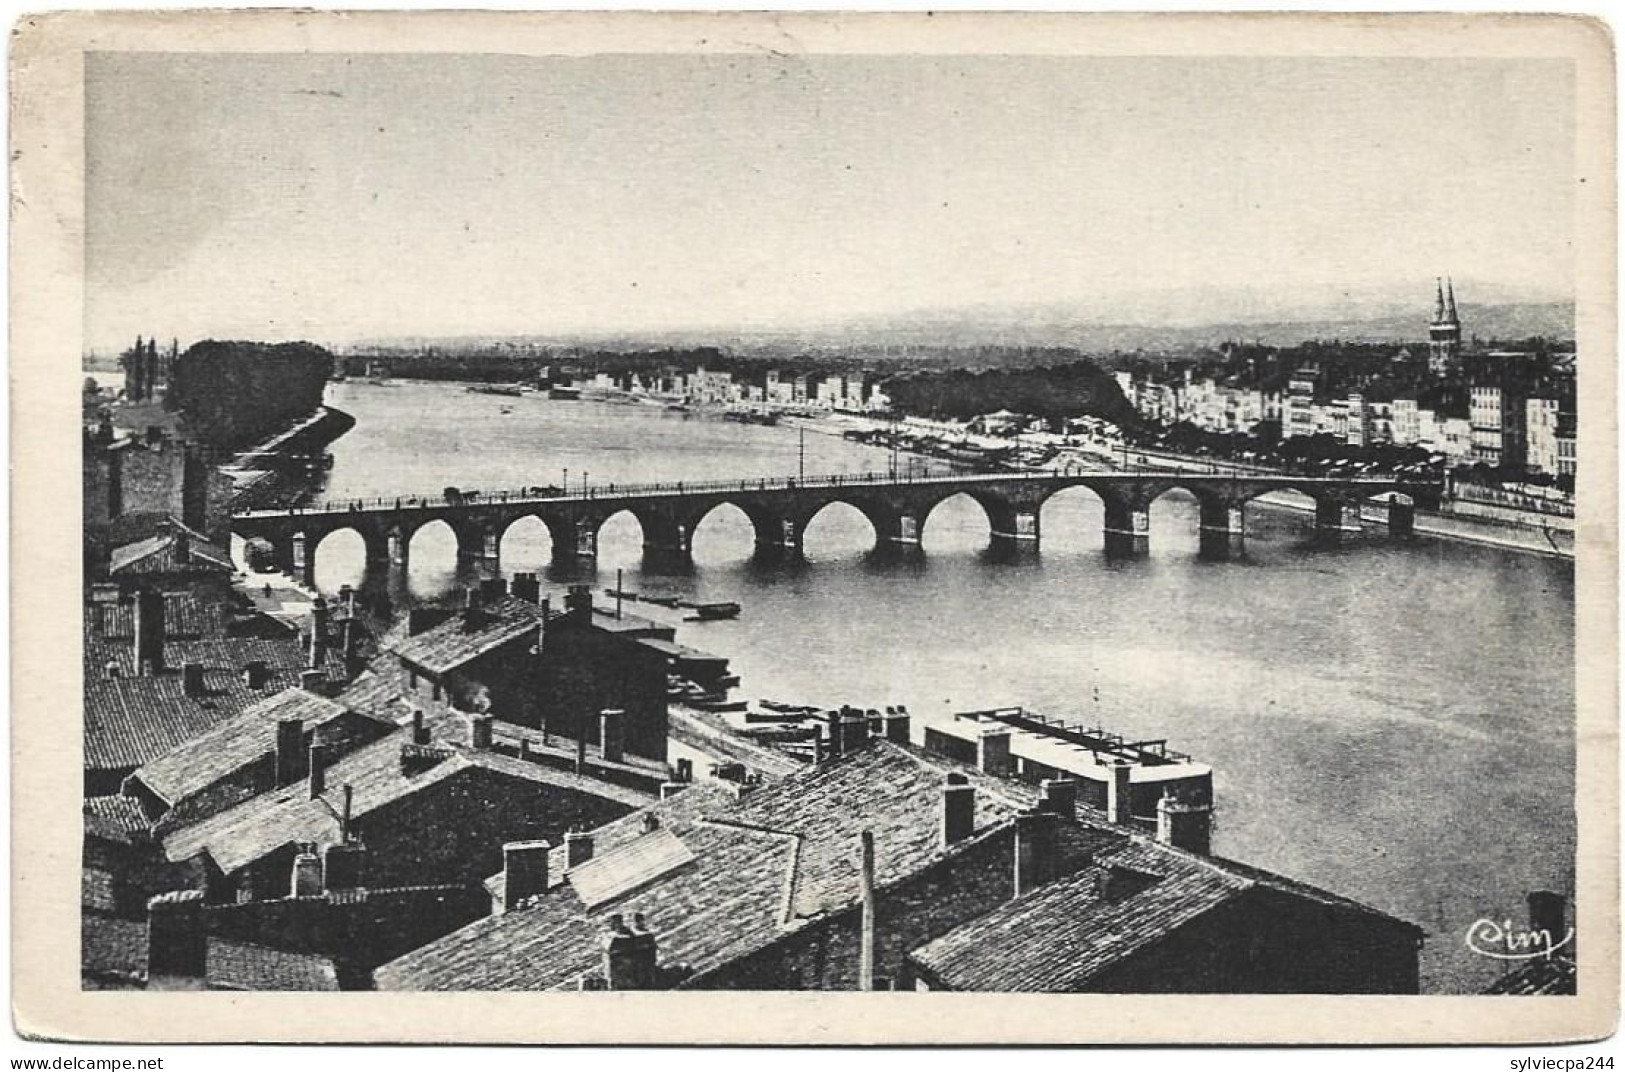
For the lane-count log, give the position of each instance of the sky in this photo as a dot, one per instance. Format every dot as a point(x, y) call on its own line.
point(343, 197)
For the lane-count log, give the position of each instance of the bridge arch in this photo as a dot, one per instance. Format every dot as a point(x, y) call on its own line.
point(838, 525)
point(619, 537)
point(431, 551)
point(725, 532)
point(526, 543)
point(963, 520)
point(1072, 516)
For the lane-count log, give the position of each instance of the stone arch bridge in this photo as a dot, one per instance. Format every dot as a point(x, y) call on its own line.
point(781, 508)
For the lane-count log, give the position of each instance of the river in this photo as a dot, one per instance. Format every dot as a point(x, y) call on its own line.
point(1391, 722)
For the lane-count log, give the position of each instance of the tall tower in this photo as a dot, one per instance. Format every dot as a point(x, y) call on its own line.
point(1444, 333)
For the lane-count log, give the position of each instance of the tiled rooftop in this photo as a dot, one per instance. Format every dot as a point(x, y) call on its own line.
point(763, 866)
point(261, 825)
point(132, 719)
point(114, 818)
point(234, 743)
point(452, 643)
point(1065, 932)
point(115, 950)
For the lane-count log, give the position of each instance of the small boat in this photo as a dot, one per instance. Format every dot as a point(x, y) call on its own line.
point(786, 708)
point(661, 601)
point(712, 612)
point(621, 593)
point(564, 393)
point(720, 703)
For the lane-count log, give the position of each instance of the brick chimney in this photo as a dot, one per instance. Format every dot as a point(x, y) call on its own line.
point(344, 865)
point(993, 750)
point(290, 751)
point(473, 612)
point(854, 730)
point(577, 848)
point(479, 732)
point(313, 681)
point(897, 725)
point(256, 674)
point(524, 872)
point(525, 586)
point(177, 944)
point(149, 632)
point(192, 679)
point(492, 589)
point(318, 632)
point(317, 768)
point(1059, 797)
point(631, 955)
point(1119, 799)
point(1185, 825)
point(867, 922)
point(958, 809)
point(420, 732)
point(612, 734)
point(578, 602)
point(1034, 849)
point(306, 880)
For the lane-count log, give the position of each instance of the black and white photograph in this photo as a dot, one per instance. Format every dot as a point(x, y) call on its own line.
point(747, 516)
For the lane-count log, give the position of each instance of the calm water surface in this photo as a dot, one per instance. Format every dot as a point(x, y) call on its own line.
point(1391, 722)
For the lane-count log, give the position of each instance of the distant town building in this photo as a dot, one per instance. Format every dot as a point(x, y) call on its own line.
point(1444, 333)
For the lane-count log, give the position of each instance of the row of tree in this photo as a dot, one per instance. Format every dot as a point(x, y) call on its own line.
point(233, 394)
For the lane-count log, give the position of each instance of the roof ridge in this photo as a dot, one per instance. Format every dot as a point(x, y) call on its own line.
point(787, 905)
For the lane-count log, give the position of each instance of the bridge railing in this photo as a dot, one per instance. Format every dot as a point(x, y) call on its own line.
point(877, 478)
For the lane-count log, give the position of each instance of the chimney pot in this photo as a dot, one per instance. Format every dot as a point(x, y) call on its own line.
point(420, 732)
point(479, 732)
point(897, 725)
point(307, 874)
point(312, 680)
point(524, 872)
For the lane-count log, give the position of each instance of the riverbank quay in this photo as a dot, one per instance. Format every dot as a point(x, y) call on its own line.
point(271, 473)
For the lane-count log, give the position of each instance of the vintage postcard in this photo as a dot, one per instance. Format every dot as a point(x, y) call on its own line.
point(964, 528)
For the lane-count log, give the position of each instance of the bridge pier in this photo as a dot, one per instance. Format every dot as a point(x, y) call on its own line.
point(897, 535)
point(400, 547)
point(1017, 533)
point(478, 545)
point(303, 559)
point(1337, 519)
point(778, 539)
point(1401, 518)
point(668, 546)
point(1223, 529)
point(1128, 527)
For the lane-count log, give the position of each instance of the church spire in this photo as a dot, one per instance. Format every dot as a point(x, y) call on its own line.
point(1438, 306)
point(1450, 299)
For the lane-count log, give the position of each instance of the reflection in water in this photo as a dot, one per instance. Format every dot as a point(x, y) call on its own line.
point(1393, 722)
